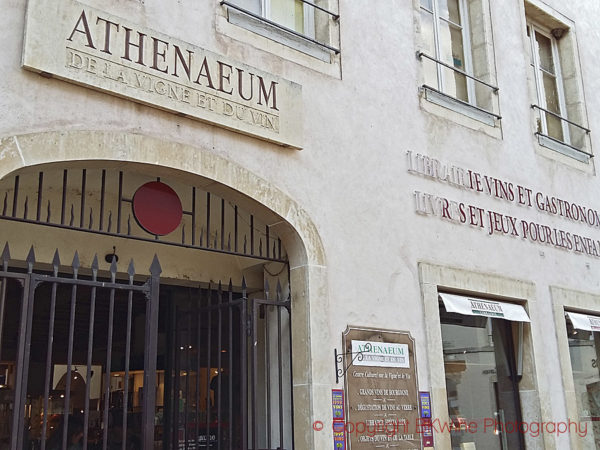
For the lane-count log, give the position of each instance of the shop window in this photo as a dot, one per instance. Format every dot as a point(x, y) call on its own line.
point(456, 57)
point(301, 24)
point(482, 370)
point(557, 93)
point(584, 343)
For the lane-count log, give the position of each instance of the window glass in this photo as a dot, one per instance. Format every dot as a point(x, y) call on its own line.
point(544, 46)
point(289, 13)
point(583, 349)
point(480, 381)
point(427, 4)
point(449, 9)
point(251, 5)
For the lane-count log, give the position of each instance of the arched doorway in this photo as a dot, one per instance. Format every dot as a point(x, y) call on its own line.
point(184, 337)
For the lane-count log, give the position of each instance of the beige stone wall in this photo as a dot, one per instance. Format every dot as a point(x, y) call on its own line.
point(346, 200)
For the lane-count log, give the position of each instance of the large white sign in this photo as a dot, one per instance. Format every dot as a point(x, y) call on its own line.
point(380, 354)
point(81, 44)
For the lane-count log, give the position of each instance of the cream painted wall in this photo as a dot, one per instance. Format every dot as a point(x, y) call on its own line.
point(351, 178)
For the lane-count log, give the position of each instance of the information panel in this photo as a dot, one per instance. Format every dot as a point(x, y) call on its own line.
point(381, 390)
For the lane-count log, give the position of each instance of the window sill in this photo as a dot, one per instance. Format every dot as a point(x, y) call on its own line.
point(240, 41)
point(562, 148)
point(276, 34)
point(460, 112)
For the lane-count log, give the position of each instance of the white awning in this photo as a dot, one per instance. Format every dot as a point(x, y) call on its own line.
point(472, 306)
point(584, 322)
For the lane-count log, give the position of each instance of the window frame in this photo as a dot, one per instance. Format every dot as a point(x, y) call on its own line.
point(466, 40)
point(319, 37)
point(534, 61)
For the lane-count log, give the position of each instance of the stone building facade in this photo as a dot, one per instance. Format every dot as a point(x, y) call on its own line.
point(410, 184)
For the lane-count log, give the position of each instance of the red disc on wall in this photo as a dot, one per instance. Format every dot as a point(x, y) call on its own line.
point(157, 208)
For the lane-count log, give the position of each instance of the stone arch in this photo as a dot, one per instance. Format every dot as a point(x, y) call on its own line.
point(301, 239)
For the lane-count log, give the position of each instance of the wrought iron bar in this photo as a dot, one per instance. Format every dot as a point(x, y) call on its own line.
point(131, 273)
point(150, 355)
point(119, 204)
point(15, 197)
point(144, 239)
point(207, 219)
point(30, 286)
point(111, 312)
point(75, 265)
point(64, 197)
point(193, 215)
point(558, 116)
point(280, 365)
point(82, 206)
point(277, 25)
point(267, 347)
point(102, 195)
point(55, 266)
point(230, 355)
point(420, 55)
point(208, 355)
point(86, 408)
point(244, 361)
point(219, 365)
point(251, 234)
point(198, 344)
point(39, 196)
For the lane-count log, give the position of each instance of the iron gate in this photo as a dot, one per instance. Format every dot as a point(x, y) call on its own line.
point(224, 380)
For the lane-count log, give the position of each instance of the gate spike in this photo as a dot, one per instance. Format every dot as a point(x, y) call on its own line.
point(129, 225)
point(76, 264)
point(72, 216)
point(48, 210)
point(183, 235)
point(267, 289)
point(5, 203)
point(201, 235)
point(278, 290)
point(155, 268)
point(5, 257)
point(260, 247)
point(95, 264)
point(131, 268)
point(230, 287)
point(245, 244)
point(244, 286)
point(30, 259)
point(220, 292)
point(55, 263)
point(26, 208)
point(91, 219)
point(109, 221)
point(113, 265)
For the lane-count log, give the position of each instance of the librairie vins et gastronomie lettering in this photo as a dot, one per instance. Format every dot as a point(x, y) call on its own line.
point(495, 222)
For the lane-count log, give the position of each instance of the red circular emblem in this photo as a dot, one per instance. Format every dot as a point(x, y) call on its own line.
point(157, 208)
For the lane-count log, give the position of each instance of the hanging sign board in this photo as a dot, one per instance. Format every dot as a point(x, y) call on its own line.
point(472, 306)
point(74, 42)
point(381, 390)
